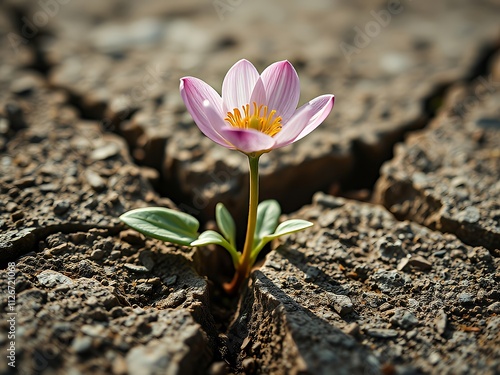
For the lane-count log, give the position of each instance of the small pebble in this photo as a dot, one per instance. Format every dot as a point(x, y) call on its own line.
point(465, 298)
point(385, 306)
point(95, 180)
point(97, 254)
point(105, 152)
point(77, 238)
point(404, 319)
point(147, 259)
point(18, 215)
point(81, 344)
point(135, 268)
point(382, 333)
point(61, 207)
point(342, 304)
point(440, 322)
point(144, 289)
point(59, 249)
point(115, 254)
point(494, 308)
point(51, 278)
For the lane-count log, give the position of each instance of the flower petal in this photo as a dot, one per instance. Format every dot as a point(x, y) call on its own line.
point(195, 93)
point(238, 85)
point(322, 106)
point(217, 123)
point(294, 126)
point(248, 140)
point(282, 88)
point(258, 94)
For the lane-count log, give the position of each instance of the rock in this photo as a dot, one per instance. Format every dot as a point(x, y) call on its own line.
point(420, 262)
point(494, 308)
point(97, 254)
point(61, 207)
point(50, 279)
point(146, 257)
point(81, 344)
point(342, 304)
point(95, 180)
point(381, 333)
point(390, 281)
point(135, 268)
point(132, 237)
point(404, 319)
point(465, 298)
point(105, 152)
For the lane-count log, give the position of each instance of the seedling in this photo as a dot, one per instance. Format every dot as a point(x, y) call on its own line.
point(255, 115)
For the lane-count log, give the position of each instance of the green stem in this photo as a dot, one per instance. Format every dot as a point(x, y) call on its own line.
point(243, 270)
point(252, 213)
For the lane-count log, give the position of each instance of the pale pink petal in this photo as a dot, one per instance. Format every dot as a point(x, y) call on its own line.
point(258, 94)
point(217, 123)
point(322, 106)
point(195, 93)
point(294, 126)
point(248, 140)
point(238, 85)
point(282, 86)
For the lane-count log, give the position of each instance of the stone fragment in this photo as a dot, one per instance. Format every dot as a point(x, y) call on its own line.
point(132, 237)
point(494, 308)
point(135, 268)
point(404, 319)
point(382, 333)
point(465, 298)
point(95, 180)
point(81, 344)
point(105, 152)
point(52, 279)
point(61, 207)
point(441, 321)
point(342, 304)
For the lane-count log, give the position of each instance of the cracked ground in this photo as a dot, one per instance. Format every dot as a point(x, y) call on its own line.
point(398, 275)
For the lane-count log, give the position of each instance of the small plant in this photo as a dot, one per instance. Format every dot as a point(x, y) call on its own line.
point(255, 115)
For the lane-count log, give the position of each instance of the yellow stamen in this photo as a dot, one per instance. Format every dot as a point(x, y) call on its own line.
point(259, 119)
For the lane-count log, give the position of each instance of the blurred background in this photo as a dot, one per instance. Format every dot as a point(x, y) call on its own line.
point(119, 63)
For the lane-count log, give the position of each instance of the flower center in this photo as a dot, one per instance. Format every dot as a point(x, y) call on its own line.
point(260, 118)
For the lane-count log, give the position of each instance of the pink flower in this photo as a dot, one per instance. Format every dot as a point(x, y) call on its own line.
point(257, 113)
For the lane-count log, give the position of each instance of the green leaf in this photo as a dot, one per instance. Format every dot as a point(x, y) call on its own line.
point(226, 223)
point(286, 227)
point(268, 213)
point(211, 237)
point(163, 224)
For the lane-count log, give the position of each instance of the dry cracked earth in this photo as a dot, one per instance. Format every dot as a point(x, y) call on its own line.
point(400, 272)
